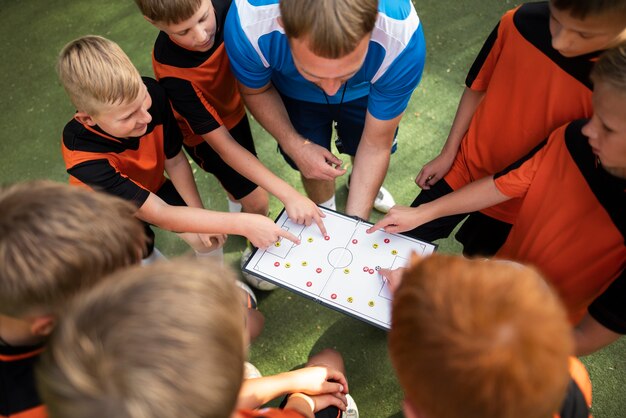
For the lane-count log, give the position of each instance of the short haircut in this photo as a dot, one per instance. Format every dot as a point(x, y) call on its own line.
point(95, 72)
point(583, 8)
point(611, 68)
point(168, 11)
point(56, 239)
point(479, 338)
point(333, 27)
point(158, 341)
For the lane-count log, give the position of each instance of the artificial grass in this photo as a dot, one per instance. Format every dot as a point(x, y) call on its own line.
point(34, 109)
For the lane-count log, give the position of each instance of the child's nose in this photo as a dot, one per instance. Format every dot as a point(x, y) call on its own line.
point(561, 39)
point(200, 34)
point(146, 117)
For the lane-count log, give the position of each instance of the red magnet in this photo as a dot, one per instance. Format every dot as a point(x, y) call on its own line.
point(276, 264)
point(333, 296)
point(371, 271)
point(326, 237)
point(366, 269)
point(318, 270)
point(354, 241)
point(309, 284)
point(386, 240)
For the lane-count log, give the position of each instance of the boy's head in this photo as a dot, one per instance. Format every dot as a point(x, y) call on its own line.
point(189, 23)
point(56, 240)
point(478, 338)
point(154, 341)
point(328, 38)
point(581, 27)
point(607, 128)
point(104, 86)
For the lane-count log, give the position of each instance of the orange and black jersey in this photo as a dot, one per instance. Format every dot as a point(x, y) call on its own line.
point(578, 395)
point(530, 90)
point(269, 413)
point(572, 222)
point(130, 168)
point(18, 392)
point(201, 85)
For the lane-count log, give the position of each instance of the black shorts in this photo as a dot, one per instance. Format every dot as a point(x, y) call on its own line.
point(210, 161)
point(314, 121)
point(481, 235)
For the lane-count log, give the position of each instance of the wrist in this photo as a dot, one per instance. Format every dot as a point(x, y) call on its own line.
point(301, 402)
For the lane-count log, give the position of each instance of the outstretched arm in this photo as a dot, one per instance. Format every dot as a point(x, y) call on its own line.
point(260, 230)
point(437, 168)
point(300, 209)
point(475, 196)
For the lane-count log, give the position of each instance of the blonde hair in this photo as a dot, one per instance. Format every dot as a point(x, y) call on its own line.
point(56, 239)
point(164, 340)
point(95, 72)
point(611, 68)
point(333, 27)
point(479, 338)
point(168, 11)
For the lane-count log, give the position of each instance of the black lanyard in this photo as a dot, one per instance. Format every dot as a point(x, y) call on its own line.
point(338, 142)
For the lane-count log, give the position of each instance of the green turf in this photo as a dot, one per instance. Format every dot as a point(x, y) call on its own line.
point(34, 109)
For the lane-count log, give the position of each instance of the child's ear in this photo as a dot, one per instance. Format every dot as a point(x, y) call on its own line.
point(43, 325)
point(84, 118)
point(280, 21)
point(148, 19)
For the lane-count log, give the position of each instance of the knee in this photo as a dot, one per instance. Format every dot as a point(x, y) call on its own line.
point(256, 202)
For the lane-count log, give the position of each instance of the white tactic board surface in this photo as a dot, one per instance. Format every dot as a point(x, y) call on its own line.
point(340, 270)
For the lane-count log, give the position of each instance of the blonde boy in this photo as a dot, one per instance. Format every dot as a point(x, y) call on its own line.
point(488, 339)
point(168, 341)
point(124, 136)
point(55, 240)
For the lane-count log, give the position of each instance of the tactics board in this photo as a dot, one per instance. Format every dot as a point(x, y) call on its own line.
point(339, 270)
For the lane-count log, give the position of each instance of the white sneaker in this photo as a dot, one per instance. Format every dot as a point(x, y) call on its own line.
point(155, 256)
point(250, 371)
point(384, 200)
point(252, 280)
point(351, 410)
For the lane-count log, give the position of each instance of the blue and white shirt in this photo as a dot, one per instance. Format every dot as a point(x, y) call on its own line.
point(259, 53)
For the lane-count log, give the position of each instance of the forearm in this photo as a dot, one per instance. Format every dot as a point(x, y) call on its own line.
point(473, 197)
point(268, 109)
point(179, 172)
point(190, 219)
point(368, 174)
point(590, 336)
point(470, 100)
point(246, 164)
point(370, 164)
point(259, 391)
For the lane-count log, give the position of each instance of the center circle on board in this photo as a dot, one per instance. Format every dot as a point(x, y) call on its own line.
point(339, 257)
